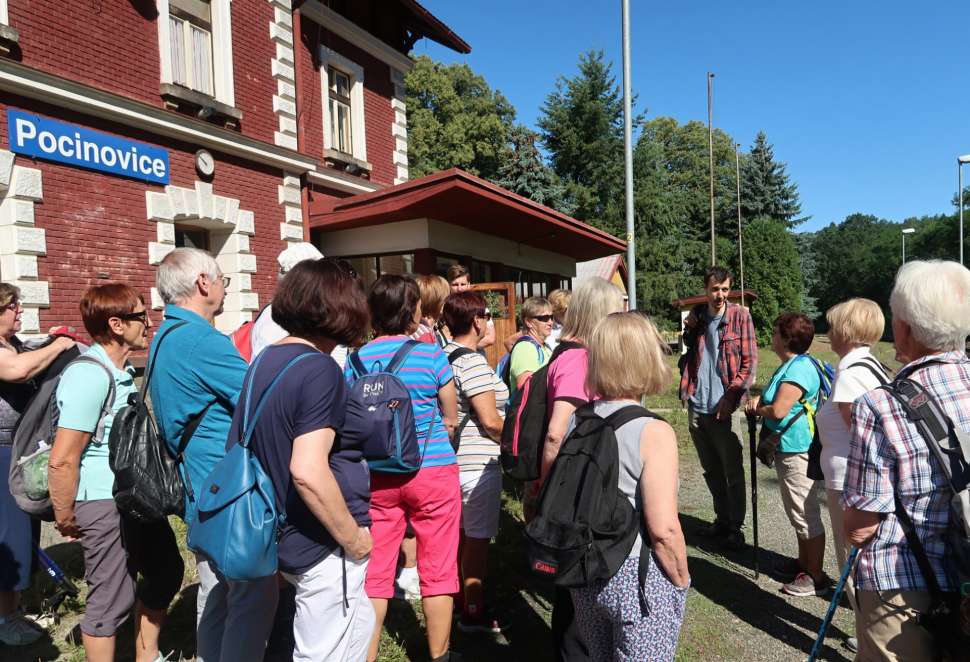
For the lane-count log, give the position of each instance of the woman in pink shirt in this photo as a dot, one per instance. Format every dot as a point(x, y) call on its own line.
point(592, 301)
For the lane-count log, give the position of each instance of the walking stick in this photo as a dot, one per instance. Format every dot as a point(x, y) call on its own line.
point(752, 434)
point(66, 588)
point(835, 600)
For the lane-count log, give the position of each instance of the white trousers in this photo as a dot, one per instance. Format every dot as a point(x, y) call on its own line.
point(326, 628)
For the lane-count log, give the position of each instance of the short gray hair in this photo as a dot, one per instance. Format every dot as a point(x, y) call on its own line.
point(593, 300)
point(933, 298)
point(179, 270)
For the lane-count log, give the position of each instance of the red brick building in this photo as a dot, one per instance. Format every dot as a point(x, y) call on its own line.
point(131, 127)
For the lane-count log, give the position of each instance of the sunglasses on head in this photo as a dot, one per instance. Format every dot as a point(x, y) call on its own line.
point(543, 318)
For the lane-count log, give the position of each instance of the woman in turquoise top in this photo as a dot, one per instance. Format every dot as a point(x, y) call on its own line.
point(116, 547)
point(793, 385)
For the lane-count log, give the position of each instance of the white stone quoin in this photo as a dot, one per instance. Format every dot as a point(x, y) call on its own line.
point(20, 242)
point(229, 231)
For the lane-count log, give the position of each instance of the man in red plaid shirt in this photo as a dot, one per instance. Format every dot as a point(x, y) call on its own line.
point(721, 359)
point(890, 467)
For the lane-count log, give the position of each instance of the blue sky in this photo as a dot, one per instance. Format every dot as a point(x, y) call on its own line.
point(867, 102)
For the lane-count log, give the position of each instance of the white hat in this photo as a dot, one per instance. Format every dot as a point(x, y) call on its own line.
point(296, 253)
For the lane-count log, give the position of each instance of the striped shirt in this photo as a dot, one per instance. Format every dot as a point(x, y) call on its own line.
point(425, 371)
point(887, 455)
point(473, 376)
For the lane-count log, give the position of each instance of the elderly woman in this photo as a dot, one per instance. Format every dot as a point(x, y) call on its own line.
point(309, 440)
point(434, 291)
point(592, 302)
point(116, 547)
point(481, 406)
point(626, 363)
point(431, 496)
point(17, 369)
point(782, 405)
point(854, 327)
point(530, 352)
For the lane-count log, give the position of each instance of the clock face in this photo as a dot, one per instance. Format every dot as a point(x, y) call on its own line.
point(204, 163)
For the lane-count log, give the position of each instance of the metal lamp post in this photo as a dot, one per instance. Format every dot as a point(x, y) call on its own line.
point(961, 160)
point(631, 288)
point(906, 232)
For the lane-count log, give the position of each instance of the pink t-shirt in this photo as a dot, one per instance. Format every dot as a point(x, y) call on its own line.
point(567, 378)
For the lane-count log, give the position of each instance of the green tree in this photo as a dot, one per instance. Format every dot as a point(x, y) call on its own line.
point(524, 173)
point(771, 271)
point(582, 130)
point(765, 187)
point(455, 120)
point(808, 264)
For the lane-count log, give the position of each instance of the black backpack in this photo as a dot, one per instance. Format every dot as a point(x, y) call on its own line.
point(526, 423)
point(34, 434)
point(584, 527)
point(148, 485)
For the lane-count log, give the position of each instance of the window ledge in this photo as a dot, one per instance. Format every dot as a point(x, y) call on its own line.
point(8, 36)
point(333, 156)
point(175, 93)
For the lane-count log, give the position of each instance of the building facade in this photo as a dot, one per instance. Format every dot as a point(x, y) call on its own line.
point(131, 127)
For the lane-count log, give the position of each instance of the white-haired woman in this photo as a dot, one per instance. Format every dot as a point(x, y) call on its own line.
point(590, 303)
point(627, 362)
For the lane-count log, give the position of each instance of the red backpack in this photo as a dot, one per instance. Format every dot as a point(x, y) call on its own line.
point(242, 338)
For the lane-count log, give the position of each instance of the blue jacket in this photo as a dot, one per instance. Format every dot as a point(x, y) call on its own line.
point(195, 366)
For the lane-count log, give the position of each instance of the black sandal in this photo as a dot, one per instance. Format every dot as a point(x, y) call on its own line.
point(714, 530)
point(734, 542)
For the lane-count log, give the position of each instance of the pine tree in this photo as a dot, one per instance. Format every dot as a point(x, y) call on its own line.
point(525, 174)
point(582, 130)
point(771, 271)
point(765, 188)
point(808, 263)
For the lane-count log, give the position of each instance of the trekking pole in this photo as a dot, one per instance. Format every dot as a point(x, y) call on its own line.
point(752, 434)
point(66, 588)
point(835, 600)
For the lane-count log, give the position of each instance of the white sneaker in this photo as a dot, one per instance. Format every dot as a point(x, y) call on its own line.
point(409, 591)
point(38, 621)
point(16, 631)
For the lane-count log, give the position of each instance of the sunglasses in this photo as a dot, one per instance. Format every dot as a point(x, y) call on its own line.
point(485, 316)
point(543, 318)
point(13, 305)
point(141, 317)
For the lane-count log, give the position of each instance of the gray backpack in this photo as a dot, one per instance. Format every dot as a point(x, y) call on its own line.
point(34, 436)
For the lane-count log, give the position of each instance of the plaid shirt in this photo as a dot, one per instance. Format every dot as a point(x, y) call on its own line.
point(887, 454)
point(736, 362)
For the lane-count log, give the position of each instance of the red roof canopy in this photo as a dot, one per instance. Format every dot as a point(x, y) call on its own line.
point(736, 294)
point(455, 197)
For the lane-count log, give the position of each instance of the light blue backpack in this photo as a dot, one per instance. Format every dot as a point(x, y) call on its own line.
point(236, 526)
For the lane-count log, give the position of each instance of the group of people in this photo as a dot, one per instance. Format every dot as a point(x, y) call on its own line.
point(887, 493)
point(348, 527)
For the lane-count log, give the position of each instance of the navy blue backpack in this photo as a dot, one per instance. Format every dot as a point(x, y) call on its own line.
point(393, 445)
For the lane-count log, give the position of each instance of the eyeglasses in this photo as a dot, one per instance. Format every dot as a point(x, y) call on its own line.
point(543, 318)
point(485, 316)
point(225, 281)
point(13, 305)
point(141, 316)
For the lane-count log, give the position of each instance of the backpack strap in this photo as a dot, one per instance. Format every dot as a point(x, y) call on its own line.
point(621, 417)
point(456, 437)
point(250, 424)
point(107, 409)
point(919, 553)
point(460, 352)
point(878, 370)
point(143, 391)
point(356, 364)
point(401, 355)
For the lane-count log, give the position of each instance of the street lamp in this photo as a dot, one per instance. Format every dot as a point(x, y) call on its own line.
point(961, 160)
point(906, 232)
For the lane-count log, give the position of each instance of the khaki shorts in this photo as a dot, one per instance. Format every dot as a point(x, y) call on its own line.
point(799, 495)
point(887, 629)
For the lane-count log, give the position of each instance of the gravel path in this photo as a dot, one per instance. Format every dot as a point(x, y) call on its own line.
point(727, 619)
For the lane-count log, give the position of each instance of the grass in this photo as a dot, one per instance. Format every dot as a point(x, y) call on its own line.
point(713, 622)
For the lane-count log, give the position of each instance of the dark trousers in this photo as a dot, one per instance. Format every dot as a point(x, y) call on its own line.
point(567, 640)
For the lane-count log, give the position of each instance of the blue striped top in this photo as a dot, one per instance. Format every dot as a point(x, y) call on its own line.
point(425, 371)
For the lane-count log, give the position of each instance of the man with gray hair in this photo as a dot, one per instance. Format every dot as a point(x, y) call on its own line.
point(196, 376)
point(896, 493)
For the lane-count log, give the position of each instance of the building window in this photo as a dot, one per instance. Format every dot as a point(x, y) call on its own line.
point(529, 283)
point(341, 133)
point(4, 19)
point(343, 105)
point(445, 262)
point(481, 272)
point(370, 267)
point(189, 237)
point(195, 40)
point(190, 30)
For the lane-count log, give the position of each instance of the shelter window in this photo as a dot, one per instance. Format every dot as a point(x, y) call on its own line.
point(370, 267)
point(190, 39)
point(481, 272)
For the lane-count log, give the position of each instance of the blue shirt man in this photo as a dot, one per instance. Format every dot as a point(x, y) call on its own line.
point(195, 366)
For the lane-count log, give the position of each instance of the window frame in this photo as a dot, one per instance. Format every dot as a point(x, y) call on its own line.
point(179, 227)
point(377, 261)
point(188, 22)
point(221, 42)
point(355, 73)
point(4, 15)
